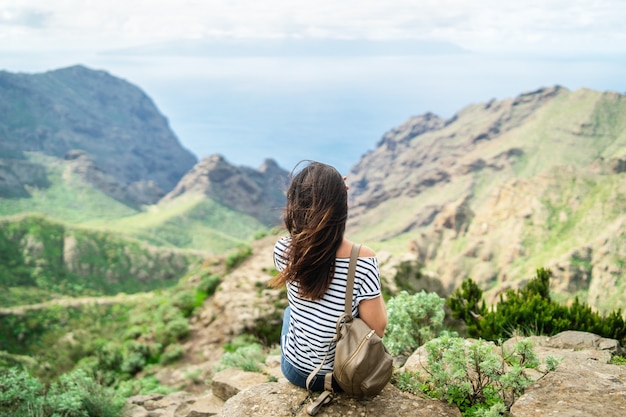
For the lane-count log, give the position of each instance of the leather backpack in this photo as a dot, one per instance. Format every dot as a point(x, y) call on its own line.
point(362, 364)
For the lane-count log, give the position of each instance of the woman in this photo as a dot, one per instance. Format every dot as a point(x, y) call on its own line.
point(313, 263)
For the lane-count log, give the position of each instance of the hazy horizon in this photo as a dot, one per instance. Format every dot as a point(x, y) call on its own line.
point(318, 80)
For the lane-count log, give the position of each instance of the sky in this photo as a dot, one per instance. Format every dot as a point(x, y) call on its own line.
point(321, 79)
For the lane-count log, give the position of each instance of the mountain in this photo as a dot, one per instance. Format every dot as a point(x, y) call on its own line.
point(85, 147)
point(493, 193)
point(503, 188)
point(215, 207)
point(258, 193)
point(75, 109)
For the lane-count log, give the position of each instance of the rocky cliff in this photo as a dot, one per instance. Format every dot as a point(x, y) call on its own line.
point(79, 109)
point(258, 193)
point(502, 188)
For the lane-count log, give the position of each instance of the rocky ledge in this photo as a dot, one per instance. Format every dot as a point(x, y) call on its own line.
point(584, 384)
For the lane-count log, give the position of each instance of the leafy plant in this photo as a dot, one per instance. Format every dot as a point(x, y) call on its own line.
point(73, 395)
point(473, 375)
point(618, 360)
point(238, 256)
point(530, 310)
point(248, 357)
point(413, 319)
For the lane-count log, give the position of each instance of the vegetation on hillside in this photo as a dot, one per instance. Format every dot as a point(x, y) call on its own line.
point(530, 310)
point(110, 342)
point(60, 195)
point(74, 394)
point(198, 223)
point(41, 259)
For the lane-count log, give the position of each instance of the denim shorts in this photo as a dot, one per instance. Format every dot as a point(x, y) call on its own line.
point(293, 374)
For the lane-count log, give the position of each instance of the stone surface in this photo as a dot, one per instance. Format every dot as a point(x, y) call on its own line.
point(584, 384)
point(580, 387)
point(230, 381)
point(258, 193)
point(284, 399)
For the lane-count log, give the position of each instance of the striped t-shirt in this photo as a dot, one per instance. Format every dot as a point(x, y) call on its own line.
point(312, 324)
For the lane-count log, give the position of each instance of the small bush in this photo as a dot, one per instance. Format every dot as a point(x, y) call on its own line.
point(236, 258)
point(209, 284)
point(248, 357)
point(185, 301)
point(412, 321)
point(473, 375)
point(172, 353)
point(618, 360)
point(73, 395)
point(142, 386)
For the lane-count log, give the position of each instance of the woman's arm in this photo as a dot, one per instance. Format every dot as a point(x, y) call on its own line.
point(374, 314)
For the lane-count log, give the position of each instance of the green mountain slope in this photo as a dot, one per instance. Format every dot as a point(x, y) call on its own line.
point(41, 259)
point(61, 193)
point(503, 188)
point(193, 222)
point(77, 108)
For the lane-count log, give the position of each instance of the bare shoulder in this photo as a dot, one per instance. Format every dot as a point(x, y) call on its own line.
point(367, 252)
point(346, 247)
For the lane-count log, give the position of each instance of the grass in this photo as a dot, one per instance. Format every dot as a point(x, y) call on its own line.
point(194, 223)
point(68, 198)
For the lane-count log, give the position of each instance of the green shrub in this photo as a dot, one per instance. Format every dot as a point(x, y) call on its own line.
point(142, 386)
point(473, 375)
point(412, 321)
point(133, 363)
point(185, 302)
point(172, 353)
point(73, 395)
point(248, 357)
point(236, 258)
point(618, 360)
point(260, 234)
point(209, 284)
point(240, 341)
point(530, 310)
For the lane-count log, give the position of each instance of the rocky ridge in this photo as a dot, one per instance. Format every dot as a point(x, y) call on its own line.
point(583, 384)
point(503, 188)
point(259, 193)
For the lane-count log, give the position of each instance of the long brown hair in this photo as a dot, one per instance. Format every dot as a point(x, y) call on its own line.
point(315, 216)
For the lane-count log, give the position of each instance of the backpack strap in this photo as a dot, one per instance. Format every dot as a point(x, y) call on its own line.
point(354, 255)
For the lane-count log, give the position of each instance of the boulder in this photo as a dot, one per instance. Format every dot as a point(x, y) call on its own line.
point(284, 399)
point(584, 383)
point(230, 381)
point(178, 404)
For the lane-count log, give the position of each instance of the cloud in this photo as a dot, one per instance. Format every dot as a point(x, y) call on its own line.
point(544, 26)
point(29, 18)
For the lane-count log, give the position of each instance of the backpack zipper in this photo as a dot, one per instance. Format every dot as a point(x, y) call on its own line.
point(358, 349)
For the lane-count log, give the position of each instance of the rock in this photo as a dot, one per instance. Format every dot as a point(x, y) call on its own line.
point(178, 404)
point(284, 399)
point(230, 381)
point(582, 340)
point(205, 406)
point(581, 386)
point(584, 384)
